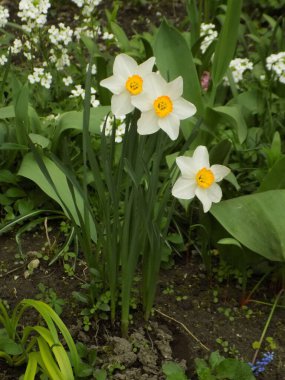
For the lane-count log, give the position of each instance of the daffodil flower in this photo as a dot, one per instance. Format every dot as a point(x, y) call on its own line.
point(199, 178)
point(162, 106)
point(127, 82)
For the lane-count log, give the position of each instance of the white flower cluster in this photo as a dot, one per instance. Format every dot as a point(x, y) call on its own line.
point(87, 6)
point(209, 33)
point(120, 127)
point(60, 58)
point(67, 81)
point(33, 12)
point(60, 36)
point(40, 76)
point(17, 46)
point(78, 91)
point(276, 64)
point(4, 15)
point(238, 66)
point(3, 60)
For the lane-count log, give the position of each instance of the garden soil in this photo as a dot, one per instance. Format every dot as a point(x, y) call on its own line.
point(186, 321)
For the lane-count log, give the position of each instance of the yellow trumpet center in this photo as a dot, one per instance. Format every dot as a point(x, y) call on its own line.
point(134, 84)
point(163, 106)
point(205, 178)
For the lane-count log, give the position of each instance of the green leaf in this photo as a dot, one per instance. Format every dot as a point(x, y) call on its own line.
point(121, 37)
point(39, 140)
point(100, 374)
point(204, 372)
point(7, 112)
point(215, 359)
point(234, 369)
point(15, 192)
point(74, 120)
point(32, 366)
point(10, 347)
point(174, 58)
point(256, 221)
point(22, 115)
point(30, 169)
point(233, 116)
point(173, 371)
point(227, 40)
point(275, 178)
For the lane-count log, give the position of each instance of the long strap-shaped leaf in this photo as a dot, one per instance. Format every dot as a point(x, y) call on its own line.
point(32, 366)
point(227, 40)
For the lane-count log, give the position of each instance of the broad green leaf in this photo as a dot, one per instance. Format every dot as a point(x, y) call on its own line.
point(215, 359)
point(174, 58)
point(74, 120)
point(234, 369)
point(173, 371)
point(231, 115)
point(39, 140)
point(227, 40)
point(7, 112)
point(121, 36)
point(275, 178)
point(256, 221)
point(30, 169)
point(10, 347)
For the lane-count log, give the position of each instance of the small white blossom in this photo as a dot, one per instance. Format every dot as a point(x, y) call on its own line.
point(60, 36)
point(41, 77)
point(17, 46)
point(3, 60)
point(33, 13)
point(209, 33)
point(4, 16)
point(107, 36)
point(276, 64)
point(67, 80)
point(120, 127)
point(87, 6)
point(238, 66)
point(79, 92)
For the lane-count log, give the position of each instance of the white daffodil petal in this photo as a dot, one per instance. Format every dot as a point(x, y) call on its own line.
point(219, 172)
point(170, 125)
point(146, 67)
point(203, 196)
point(201, 157)
point(183, 109)
point(215, 193)
point(114, 84)
point(186, 166)
point(154, 86)
point(142, 102)
point(175, 88)
point(121, 104)
point(124, 66)
point(184, 188)
point(147, 124)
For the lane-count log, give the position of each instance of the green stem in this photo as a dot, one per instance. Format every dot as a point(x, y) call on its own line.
point(267, 325)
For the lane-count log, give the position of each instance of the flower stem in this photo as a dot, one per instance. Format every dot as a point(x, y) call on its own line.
point(267, 325)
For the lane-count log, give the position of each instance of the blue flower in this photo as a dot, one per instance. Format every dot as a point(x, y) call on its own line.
point(261, 364)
